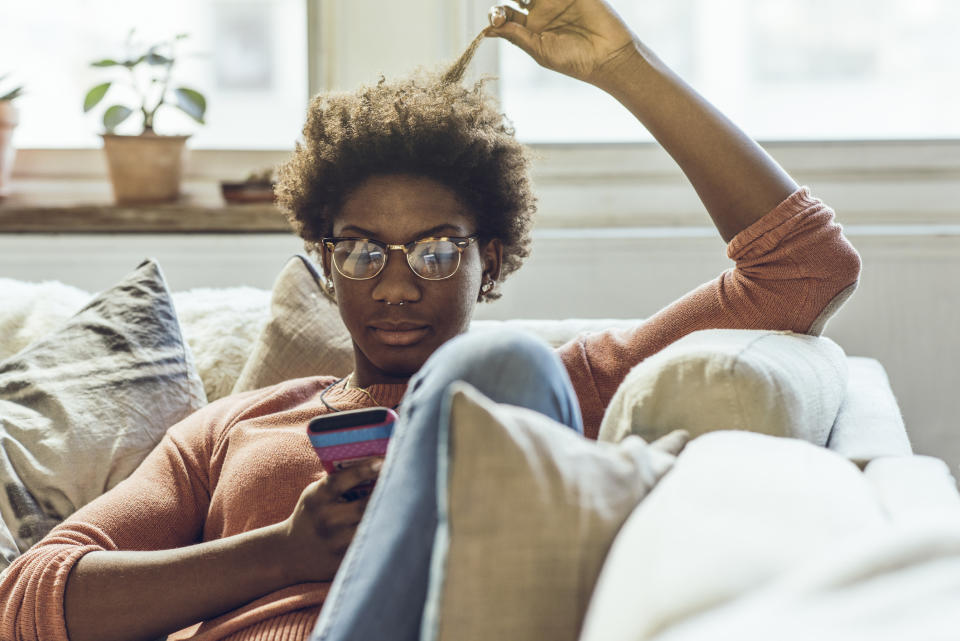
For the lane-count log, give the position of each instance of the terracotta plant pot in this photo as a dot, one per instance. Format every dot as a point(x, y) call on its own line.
point(9, 117)
point(145, 169)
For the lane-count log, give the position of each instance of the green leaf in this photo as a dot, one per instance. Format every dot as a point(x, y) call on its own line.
point(181, 36)
point(191, 103)
point(12, 95)
point(106, 62)
point(156, 59)
point(115, 115)
point(130, 64)
point(94, 96)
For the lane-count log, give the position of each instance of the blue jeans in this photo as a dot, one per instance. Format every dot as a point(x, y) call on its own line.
point(381, 586)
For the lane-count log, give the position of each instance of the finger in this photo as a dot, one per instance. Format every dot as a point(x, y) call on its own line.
point(672, 443)
point(340, 541)
point(344, 514)
point(351, 477)
point(519, 36)
point(501, 14)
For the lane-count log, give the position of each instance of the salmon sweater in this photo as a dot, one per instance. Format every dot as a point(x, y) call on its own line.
point(242, 462)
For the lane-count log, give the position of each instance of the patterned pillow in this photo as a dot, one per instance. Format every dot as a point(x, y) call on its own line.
point(81, 407)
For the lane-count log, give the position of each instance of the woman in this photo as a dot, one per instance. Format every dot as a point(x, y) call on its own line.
point(231, 520)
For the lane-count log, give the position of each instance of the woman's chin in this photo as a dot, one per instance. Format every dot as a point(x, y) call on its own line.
point(396, 365)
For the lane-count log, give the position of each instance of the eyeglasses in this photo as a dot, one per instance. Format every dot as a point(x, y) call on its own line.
point(429, 258)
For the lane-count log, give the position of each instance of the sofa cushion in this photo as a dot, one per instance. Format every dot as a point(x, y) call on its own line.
point(304, 335)
point(81, 407)
point(736, 510)
point(765, 381)
point(527, 510)
point(914, 488)
point(221, 326)
point(868, 423)
point(886, 584)
point(29, 311)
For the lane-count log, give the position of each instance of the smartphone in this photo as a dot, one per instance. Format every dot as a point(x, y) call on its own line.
point(345, 439)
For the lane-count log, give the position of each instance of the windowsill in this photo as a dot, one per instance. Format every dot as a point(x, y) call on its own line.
point(87, 206)
point(577, 186)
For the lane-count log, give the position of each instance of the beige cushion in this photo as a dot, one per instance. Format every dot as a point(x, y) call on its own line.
point(527, 513)
point(771, 382)
point(736, 510)
point(868, 423)
point(304, 335)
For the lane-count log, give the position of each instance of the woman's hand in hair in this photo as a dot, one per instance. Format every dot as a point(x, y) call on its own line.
point(584, 39)
point(322, 524)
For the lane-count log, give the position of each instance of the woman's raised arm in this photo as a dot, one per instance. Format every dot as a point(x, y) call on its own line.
point(735, 178)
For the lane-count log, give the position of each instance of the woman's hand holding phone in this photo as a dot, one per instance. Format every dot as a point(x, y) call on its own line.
point(318, 532)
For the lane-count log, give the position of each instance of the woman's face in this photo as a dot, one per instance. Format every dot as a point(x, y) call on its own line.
point(392, 341)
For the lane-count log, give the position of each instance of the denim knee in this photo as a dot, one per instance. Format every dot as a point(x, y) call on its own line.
point(507, 366)
point(472, 356)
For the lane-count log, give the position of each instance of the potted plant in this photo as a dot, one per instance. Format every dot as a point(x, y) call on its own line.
point(9, 117)
point(145, 168)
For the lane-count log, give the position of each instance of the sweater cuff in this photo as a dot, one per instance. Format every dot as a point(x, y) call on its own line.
point(42, 609)
point(763, 235)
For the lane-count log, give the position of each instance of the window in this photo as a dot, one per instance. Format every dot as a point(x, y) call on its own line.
point(248, 57)
point(782, 69)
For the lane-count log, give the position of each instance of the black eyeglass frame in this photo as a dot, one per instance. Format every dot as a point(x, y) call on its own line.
point(460, 242)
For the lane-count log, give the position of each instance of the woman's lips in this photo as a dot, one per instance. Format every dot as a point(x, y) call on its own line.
point(400, 337)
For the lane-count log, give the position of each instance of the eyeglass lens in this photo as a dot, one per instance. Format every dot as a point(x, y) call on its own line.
point(431, 259)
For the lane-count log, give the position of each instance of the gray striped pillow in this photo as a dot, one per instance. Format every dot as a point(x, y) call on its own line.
point(81, 407)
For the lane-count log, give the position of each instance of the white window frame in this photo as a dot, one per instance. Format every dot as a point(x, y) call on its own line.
point(601, 185)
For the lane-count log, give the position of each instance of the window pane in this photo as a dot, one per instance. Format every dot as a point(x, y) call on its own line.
point(248, 57)
point(782, 69)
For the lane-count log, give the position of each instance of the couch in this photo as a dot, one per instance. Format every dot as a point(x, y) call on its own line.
point(796, 510)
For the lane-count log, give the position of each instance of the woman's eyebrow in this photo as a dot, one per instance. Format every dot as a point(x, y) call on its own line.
point(420, 234)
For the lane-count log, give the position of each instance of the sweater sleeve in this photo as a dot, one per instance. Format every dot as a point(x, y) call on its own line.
point(793, 269)
point(162, 505)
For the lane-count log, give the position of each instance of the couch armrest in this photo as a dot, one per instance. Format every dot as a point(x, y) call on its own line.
point(869, 424)
point(913, 487)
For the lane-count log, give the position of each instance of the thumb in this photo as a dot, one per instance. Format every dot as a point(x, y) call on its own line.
point(518, 35)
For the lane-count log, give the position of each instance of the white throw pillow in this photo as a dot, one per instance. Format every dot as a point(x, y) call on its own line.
point(527, 511)
point(771, 382)
point(222, 325)
point(736, 510)
point(30, 311)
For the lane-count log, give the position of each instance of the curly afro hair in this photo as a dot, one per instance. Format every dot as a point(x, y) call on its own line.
point(427, 124)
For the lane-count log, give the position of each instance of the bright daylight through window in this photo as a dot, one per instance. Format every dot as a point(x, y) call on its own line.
point(248, 58)
point(782, 69)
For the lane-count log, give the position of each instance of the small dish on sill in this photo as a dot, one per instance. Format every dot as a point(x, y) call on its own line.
point(247, 192)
